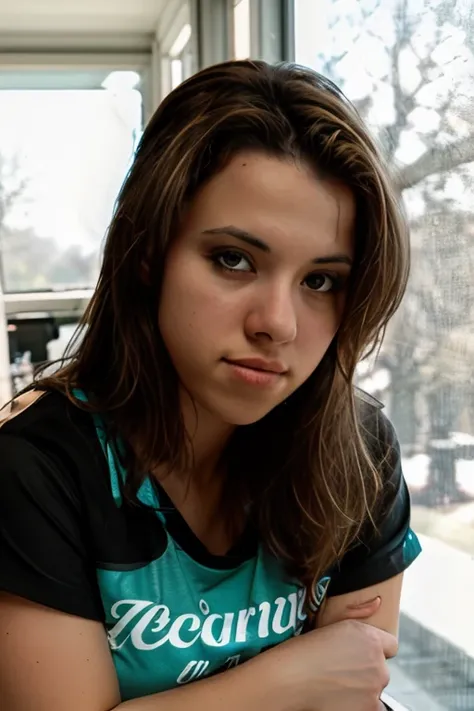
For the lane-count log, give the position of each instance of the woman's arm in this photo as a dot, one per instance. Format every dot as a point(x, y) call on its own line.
point(50, 661)
point(378, 605)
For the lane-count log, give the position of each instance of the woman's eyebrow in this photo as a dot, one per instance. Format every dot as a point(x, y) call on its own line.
point(243, 235)
point(254, 241)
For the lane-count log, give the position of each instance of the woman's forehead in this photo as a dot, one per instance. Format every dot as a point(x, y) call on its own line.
point(277, 200)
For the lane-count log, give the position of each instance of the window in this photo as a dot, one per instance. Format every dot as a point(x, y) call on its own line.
point(408, 65)
point(180, 53)
point(241, 22)
point(66, 141)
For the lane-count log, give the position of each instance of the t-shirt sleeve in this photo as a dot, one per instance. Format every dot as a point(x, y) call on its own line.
point(43, 545)
point(380, 554)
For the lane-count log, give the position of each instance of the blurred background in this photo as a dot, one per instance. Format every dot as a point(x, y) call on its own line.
point(78, 82)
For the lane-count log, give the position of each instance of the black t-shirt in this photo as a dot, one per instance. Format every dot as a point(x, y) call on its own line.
point(173, 611)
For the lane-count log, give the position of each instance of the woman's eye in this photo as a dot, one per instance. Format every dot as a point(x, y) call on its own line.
point(320, 282)
point(233, 261)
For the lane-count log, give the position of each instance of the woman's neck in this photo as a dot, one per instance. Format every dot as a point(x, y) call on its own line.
point(208, 437)
point(197, 492)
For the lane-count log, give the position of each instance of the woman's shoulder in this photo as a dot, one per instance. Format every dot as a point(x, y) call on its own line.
point(381, 441)
point(38, 410)
point(377, 429)
point(386, 545)
point(44, 432)
point(51, 481)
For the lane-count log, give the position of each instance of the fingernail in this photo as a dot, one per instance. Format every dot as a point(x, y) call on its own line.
point(364, 604)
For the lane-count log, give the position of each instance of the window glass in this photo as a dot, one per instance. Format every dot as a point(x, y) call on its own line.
point(64, 152)
point(241, 29)
point(408, 65)
point(181, 60)
point(176, 72)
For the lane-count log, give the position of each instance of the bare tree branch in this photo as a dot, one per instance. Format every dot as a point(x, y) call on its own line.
point(403, 103)
point(436, 160)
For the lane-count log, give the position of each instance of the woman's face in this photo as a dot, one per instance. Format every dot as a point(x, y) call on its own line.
point(254, 284)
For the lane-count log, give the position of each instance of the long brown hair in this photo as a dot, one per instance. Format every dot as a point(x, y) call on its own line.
point(306, 467)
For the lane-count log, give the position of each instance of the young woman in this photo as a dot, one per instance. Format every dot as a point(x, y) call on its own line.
point(199, 510)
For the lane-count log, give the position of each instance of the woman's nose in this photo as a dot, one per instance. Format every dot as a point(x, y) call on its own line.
point(273, 316)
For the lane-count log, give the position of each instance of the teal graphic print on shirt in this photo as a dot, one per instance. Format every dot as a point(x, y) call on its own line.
point(411, 547)
point(175, 621)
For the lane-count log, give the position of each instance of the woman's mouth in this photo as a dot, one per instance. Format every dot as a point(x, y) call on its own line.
point(256, 371)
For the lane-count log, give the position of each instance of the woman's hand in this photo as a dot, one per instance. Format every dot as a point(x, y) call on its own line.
point(341, 667)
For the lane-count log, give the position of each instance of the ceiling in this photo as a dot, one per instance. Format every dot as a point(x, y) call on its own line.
point(76, 16)
point(84, 27)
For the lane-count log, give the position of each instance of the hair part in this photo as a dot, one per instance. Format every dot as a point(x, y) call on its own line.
point(314, 484)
